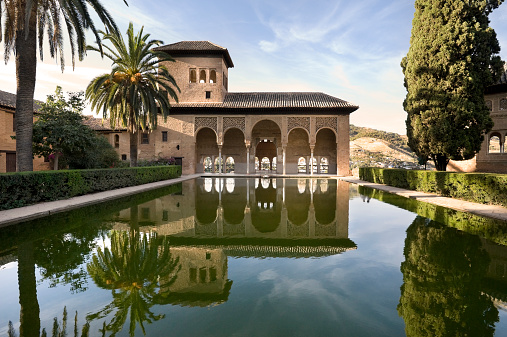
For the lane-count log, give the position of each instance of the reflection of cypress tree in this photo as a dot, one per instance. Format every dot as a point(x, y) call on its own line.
point(131, 269)
point(442, 275)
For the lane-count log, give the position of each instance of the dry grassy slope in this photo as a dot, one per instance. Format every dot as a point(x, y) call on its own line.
point(379, 146)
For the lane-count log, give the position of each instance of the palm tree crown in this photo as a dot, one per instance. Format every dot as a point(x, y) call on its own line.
point(138, 86)
point(26, 22)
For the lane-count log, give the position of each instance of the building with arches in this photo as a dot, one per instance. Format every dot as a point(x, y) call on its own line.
point(214, 130)
point(493, 154)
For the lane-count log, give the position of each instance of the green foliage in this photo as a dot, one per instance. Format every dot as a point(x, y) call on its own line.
point(59, 129)
point(442, 272)
point(27, 188)
point(484, 188)
point(99, 154)
point(138, 87)
point(453, 57)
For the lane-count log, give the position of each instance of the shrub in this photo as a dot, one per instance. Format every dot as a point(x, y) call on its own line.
point(484, 188)
point(25, 188)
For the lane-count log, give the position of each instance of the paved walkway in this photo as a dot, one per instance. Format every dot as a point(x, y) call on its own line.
point(16, 215)
point(491, 211)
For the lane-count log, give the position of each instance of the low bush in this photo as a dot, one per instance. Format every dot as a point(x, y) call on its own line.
point(484, 188)
point(25, 188)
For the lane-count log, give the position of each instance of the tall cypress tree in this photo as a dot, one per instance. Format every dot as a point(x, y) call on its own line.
point(453, 57)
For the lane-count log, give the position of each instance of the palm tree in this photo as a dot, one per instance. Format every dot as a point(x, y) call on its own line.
point(133, 269)
point(138, 86)
point(25, 23)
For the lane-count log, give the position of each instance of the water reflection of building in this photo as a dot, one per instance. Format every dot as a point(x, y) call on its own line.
point(495, 283)
point(214, 218)
point(267, 208)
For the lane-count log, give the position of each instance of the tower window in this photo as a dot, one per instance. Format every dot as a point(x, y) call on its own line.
point(212, 76)
point(164, 136)
point(193, 76)
point(208, 94)
point(116, 141)
point(202, 76)
point(123, 157)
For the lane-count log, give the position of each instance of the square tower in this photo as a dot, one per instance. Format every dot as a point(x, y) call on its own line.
point(200, 70)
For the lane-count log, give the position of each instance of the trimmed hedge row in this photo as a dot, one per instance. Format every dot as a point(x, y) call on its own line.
point(484, 188)
point(25, 188)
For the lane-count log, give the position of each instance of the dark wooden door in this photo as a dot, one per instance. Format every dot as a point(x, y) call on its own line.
point(11, 162)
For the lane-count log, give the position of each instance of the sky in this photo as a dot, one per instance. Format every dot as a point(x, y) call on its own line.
point(348, 49)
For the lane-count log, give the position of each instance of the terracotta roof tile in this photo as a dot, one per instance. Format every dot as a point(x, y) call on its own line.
point(196, 47)
point(273, 100)
point(99, 124)
point(8, 100)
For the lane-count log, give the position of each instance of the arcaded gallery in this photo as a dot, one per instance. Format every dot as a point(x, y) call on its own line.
point(213, 130)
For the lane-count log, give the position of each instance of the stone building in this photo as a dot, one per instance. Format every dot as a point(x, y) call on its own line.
point(493, 156)
point(8, 130)
point(282, 132)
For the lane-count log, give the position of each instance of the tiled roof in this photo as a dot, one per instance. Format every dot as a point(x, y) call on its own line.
point(196, 47)
point(8, 100)
point(277, 100)
point(99, 124)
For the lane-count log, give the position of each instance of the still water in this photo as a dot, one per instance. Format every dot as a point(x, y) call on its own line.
point(256, 257)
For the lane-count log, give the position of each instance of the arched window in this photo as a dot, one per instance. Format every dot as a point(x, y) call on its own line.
point(302, 165)
point(229, 165)
point(208, 184)
point(324, 165)
point(212, 76)
point(208, 165)
point(230, 183)
point(494, 144)
point(273, 165)
point(256, 163)
point(301, 186)
point(489, 104)
point(202, 76)
point(265, 164)
point(193, 76)
point(218, 163)
point(117, 141)
point(503, 104)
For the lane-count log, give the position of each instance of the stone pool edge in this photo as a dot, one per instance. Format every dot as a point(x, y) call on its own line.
point(490, 211)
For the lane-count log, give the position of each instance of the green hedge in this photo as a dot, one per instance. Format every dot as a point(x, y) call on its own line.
point(484, 188)
point(25, 188)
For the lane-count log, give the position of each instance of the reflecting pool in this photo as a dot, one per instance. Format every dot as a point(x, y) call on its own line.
point(256, 257)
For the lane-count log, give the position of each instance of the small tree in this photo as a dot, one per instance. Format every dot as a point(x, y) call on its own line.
point(59, 129)
point(453, 57)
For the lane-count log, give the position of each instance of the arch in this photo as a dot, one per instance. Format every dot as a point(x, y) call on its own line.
point(206, 203)
point(266, 135)
point(229, 165)
point(116, 141)
point(301, 165)
point(208, 165)
point(266, 213)
point(324, 201)
point(212, 76)
point(298, 204)
point(325, 147)
point(495, 143)
point(234, 201)
point(324, 165)
point(234, 147)
point(298, 146)
point(202, 76)
point(205, 147)
point(192, 76)
point(218, 163)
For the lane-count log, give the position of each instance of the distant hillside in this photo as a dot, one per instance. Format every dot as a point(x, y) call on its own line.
point(370, 147)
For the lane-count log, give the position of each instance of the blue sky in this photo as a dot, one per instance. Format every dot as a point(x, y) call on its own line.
point(348, 49)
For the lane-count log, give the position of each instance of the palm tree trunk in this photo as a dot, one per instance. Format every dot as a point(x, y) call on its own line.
point(134, 135)
point(29, 315)
point(26, 68)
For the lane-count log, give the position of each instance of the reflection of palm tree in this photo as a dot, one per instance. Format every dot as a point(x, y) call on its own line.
point(442, 274)
point(132, 268)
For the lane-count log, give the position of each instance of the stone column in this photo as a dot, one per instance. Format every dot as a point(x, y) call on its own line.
point(284, 160)
point(247, 144)
point(312, 147)
point(220, 159)
point(343, 146)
